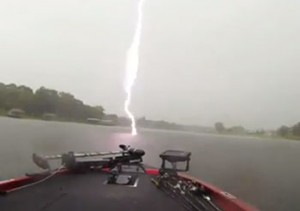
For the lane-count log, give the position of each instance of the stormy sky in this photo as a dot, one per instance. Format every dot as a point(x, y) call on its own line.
point(201, 61)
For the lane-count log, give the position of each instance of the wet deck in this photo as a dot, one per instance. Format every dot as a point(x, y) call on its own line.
point(75, 192)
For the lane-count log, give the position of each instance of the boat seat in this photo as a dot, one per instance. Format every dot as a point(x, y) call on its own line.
point(174, 157)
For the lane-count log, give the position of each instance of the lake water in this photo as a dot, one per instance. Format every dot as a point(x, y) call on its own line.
point(265, 173)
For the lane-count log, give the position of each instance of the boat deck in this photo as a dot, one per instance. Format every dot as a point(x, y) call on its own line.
point(88, 192)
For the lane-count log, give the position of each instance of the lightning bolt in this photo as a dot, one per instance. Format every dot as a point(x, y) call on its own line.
point(132, 66)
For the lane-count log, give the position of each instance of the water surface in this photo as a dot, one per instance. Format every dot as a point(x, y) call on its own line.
point(265, 173)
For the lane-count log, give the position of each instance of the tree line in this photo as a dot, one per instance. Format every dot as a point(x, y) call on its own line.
point(285, 131)
point(42, 101)
point(220, 128)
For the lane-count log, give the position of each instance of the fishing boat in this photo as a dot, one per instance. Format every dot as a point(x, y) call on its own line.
point(116, 180)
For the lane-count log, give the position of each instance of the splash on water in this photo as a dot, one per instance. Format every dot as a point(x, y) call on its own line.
point(132, 65)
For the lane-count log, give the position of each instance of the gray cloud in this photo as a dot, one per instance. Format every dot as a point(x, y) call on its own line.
point(201, 61)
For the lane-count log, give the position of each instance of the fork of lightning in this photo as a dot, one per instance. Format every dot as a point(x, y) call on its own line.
point(132, 66)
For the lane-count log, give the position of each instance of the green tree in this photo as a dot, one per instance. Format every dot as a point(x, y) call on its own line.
point(219, 126)
point(237, 130)
point(283, 131)
point(25, 98)
point(2, 95)
point(45, 100)
point(10, 96)
point(296, 129)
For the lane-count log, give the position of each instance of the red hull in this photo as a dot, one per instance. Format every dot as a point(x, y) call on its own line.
point(223, 199)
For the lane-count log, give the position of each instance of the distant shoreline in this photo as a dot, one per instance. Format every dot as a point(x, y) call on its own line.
point(158, 129)
point(19, 101)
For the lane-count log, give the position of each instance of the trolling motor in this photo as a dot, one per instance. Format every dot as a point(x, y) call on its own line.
point(70, 160)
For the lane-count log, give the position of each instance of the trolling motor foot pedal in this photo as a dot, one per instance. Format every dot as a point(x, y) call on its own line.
point(174, 159)
point(123, 180)
point(118, 178)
